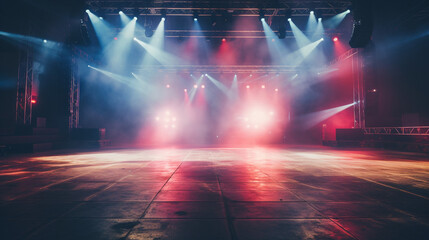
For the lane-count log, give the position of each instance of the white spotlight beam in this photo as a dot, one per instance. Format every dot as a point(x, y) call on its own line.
point(220, 85)
point(117, 51)
point(277, 51)
point(312, 119)
point(311, 23)
point(334, 21)
point(300, 37)
point(102, 29)
point(157, 42)
point(121, 79)
point(194, 90)
point(124, 18)
point(299, 55)
point(161, 56)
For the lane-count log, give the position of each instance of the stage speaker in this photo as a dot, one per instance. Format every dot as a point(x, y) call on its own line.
point(362, 23)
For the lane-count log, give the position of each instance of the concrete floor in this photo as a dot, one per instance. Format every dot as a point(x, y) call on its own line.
point(216, 193)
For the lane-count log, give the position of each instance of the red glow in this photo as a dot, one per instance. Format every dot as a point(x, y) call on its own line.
point(263, 86)
point(223, 39)
point(335, 39)
point(247, 86)
point(33, 101)
point(115, 38)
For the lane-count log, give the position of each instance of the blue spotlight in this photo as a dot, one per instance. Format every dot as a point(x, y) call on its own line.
point(163, 19)
point(101, 18)
point(45, 41)
point(289, 19)
point(135, 18)
point(348, 11)
point(320, 19)
point(87, 11)
point(311, 12)
point(195, 19)
point(120, 12)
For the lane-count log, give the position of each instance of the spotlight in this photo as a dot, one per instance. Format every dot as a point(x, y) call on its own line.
point(289, 19)
point(206, 74)
point(320, 19)
point(87, 11)
point(247, 86)
point(163, 14)
point(276, 89)
point(120, 12)
point(203, 86)
point(348, 11)
point(335, 39)
point(167, 86)
point(195, 86)
point(223, 39)
point(101, 18)
point(45, 41)
point(195, 19)
point(261, 15)
point(263, 86)
point(135, 18)
point(311, 12)
point(250, 75)
point(190, 75)
point(195, 15)
point(322, 39)
point(185, 90)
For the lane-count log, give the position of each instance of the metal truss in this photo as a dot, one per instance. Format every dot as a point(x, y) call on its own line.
point(249, 69)
point(210, 7)
point(74, 93)
point(24, 87)
point(416, 131)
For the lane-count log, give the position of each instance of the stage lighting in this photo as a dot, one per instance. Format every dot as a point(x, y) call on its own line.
point(247, 86)
point(206, 74)
point(261, 15)
point(250, 75)
point(195, 15)
point(87, 11)
point(335, 39)
point(101, 18)
point(223, 39)
point(120, 12)
point(135, 18)
point(276, 89)
point(203, 86)
point(167, 86)
point(195, 86)
point(135, 39)
point(163, 14)
point(320, 19)
point(263, 86)
point(190, 75)
point(322, 39)
point(289, 19)
point(348, 11)
point(185, 90)
point(33, 101)
point(45, 41)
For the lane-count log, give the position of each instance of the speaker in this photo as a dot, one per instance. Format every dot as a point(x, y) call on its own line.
point(362, 23)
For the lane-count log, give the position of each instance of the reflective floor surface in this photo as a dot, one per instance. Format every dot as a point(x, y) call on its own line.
point(216, 193)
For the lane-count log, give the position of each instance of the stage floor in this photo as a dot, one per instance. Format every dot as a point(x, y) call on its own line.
point(216, 193)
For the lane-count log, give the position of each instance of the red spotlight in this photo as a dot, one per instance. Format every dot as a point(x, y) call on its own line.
point(202, 86)
point(167, 86)
point(335, 39)
point(33, 101)
point(115, 38)
point(185, 90)
point(247, 86)
point(195, 86)
point(263, 86)
point(223, 39)
point(276, 89)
